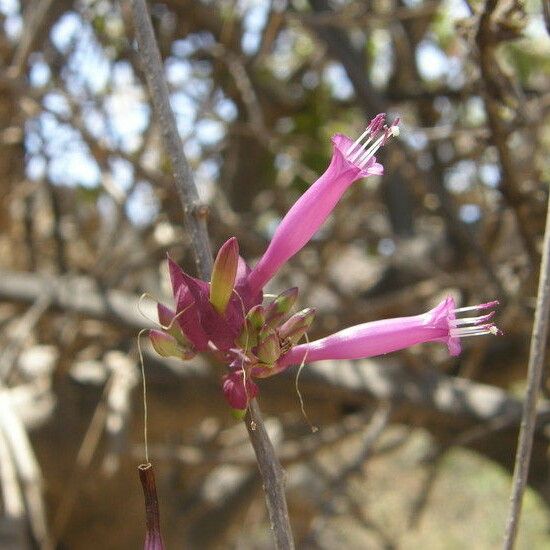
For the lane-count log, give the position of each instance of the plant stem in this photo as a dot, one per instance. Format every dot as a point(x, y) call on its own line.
point(153, 68)
point(534, 378)
point(195, 219)
point(273, 477)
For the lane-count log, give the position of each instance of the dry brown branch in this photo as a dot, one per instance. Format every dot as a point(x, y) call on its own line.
point(76, 294)
point(496, 87)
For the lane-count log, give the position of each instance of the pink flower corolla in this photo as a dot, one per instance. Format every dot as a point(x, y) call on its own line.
point(350, 162)
point(440, 324)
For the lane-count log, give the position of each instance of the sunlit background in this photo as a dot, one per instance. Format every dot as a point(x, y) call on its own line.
point(414, 450)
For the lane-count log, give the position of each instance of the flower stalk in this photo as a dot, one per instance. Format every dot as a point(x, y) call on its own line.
point(153, 537)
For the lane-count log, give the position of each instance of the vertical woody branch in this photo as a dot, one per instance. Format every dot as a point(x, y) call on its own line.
point(268, 463)
point(272, 476)
point(151, 64)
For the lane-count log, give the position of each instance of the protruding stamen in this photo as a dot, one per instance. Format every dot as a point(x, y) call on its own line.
point(468, 334)
point(474, 320)
point(363, 155)
point(358, 141)
point(473, 331)
point(372, 129)
point(364, 158)
point(473, 326)
point(488, 305)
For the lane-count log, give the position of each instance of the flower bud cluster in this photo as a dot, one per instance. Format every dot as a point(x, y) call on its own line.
point(268, 333)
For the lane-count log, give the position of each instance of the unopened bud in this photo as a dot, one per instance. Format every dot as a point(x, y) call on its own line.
point(269, 350)
point(167, 346)
point(256, 316)
point(253, 323)
point(293, 330)
point(238, 389)
point(280, 306)
point(223, 275)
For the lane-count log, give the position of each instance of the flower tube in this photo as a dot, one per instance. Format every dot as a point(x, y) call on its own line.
point(350, 161)
point(440, 324)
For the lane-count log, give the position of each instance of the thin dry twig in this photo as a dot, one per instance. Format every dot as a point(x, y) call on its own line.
point(338, 483)
point(534, 377)
point(25, 325)
point(35, 15)
point(12, 499)
point(194, 212)
point(273, 477)
point(269, 465)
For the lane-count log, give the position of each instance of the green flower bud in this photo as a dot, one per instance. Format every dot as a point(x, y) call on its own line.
point(269, 350)
point(167, 346)
point(280, 306)
point(292, 331)
point(253, 323)
point(223, 275)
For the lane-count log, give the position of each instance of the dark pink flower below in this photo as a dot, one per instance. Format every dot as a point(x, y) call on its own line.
point(239, 389)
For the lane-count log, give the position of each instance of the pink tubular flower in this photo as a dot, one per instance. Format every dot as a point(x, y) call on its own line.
point(440, 324)
point(350, 161)
point(229, 319)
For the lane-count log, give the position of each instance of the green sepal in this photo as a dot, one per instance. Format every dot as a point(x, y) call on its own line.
point(256, 316)
point(248, 338)
point(238, 414)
